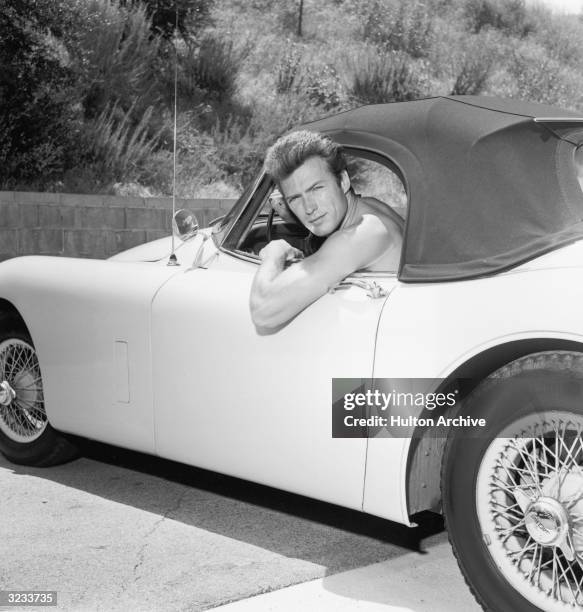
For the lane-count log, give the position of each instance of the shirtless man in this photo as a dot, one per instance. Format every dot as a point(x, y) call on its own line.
point(362, 233)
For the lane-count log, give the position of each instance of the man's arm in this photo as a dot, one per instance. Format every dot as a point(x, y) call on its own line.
point(278, 293)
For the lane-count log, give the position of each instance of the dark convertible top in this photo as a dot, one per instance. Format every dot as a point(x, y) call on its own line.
point(491, 182)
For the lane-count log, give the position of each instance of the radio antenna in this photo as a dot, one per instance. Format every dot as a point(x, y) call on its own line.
point(172, 261)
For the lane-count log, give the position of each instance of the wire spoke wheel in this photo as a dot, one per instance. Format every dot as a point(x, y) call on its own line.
point(529, 500)
point(22, 413)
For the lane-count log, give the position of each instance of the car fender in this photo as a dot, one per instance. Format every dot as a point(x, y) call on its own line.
point(90, 323)
point(428, 330)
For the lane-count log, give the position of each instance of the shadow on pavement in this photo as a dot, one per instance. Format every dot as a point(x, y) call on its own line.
point(284, 523)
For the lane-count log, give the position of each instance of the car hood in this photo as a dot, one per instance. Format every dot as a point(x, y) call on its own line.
point(160, 249)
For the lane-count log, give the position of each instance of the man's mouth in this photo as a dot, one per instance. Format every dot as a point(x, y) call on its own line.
point(317, 219)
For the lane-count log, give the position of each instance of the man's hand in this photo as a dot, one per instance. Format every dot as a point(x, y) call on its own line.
point(280, 207)
point(280, 253)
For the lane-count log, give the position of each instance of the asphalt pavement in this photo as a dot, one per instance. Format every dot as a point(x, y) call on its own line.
point(116, 530)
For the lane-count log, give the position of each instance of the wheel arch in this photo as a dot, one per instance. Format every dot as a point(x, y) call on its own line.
point(426, 452)
point(9, 311)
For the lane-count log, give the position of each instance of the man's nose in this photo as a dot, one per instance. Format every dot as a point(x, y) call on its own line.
point(309, 204)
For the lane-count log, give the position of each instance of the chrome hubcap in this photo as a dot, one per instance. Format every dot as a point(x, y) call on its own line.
point(529, 497)
point(22, 412)
point(547, 521)
point(7, 393)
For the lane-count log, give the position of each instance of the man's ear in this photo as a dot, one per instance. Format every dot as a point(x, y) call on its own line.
point(345, 181)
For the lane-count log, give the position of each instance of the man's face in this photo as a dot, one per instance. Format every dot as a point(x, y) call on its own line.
point(316, 197)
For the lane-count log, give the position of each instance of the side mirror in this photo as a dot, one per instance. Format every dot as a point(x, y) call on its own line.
point(184, 224)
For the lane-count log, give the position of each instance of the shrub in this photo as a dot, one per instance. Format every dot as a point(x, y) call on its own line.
point(114, 146)
point(240, 149)
point(116, 55)
point(207, 76)
point(319, 83)
point(509, 16)
point(389, 76)
point(288, 76)
point(401, 26)
point(561, 36)
point(190, 93)
point(283, 113)
point(324, 87)
point(193, 15)
point(474, 69)
point(216, 66)
point(37, 104)
point(199, 162)
point(537, 77)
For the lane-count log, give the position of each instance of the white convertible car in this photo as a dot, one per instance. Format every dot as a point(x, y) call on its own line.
point(487, 302)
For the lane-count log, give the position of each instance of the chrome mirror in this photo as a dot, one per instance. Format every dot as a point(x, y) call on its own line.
point(184, 224)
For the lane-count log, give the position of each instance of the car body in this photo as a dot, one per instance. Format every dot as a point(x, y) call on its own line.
point(164, 359)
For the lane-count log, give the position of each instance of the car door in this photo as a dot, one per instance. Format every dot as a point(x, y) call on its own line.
point(258, 406)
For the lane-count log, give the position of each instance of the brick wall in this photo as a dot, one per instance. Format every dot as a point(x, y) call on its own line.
point(88, 225)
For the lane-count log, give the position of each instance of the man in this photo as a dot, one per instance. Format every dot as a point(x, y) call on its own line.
point(362, 233)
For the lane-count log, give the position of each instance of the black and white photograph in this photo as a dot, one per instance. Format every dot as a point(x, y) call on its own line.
point(291, 305)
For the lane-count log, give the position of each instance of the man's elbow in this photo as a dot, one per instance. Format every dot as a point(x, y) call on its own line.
point(266, 318)
point(264, 313)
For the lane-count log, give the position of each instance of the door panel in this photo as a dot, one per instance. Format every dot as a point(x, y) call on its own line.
point(259, 406)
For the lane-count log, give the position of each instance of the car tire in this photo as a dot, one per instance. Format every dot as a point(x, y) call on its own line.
point(512, 491)
point(26, 436)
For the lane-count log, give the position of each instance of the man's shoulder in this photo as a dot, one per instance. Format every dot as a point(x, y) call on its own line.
point(373, 207)
point(365, 229)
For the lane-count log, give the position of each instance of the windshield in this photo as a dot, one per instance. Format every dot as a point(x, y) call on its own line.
point(221, 229)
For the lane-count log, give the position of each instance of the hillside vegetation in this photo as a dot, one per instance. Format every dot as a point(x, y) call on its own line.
point(87, 86)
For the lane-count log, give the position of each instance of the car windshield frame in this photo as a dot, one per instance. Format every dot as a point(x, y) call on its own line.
point(578, 162)
point(221, 230)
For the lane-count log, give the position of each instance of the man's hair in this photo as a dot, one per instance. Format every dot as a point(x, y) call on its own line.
point(289, 152)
